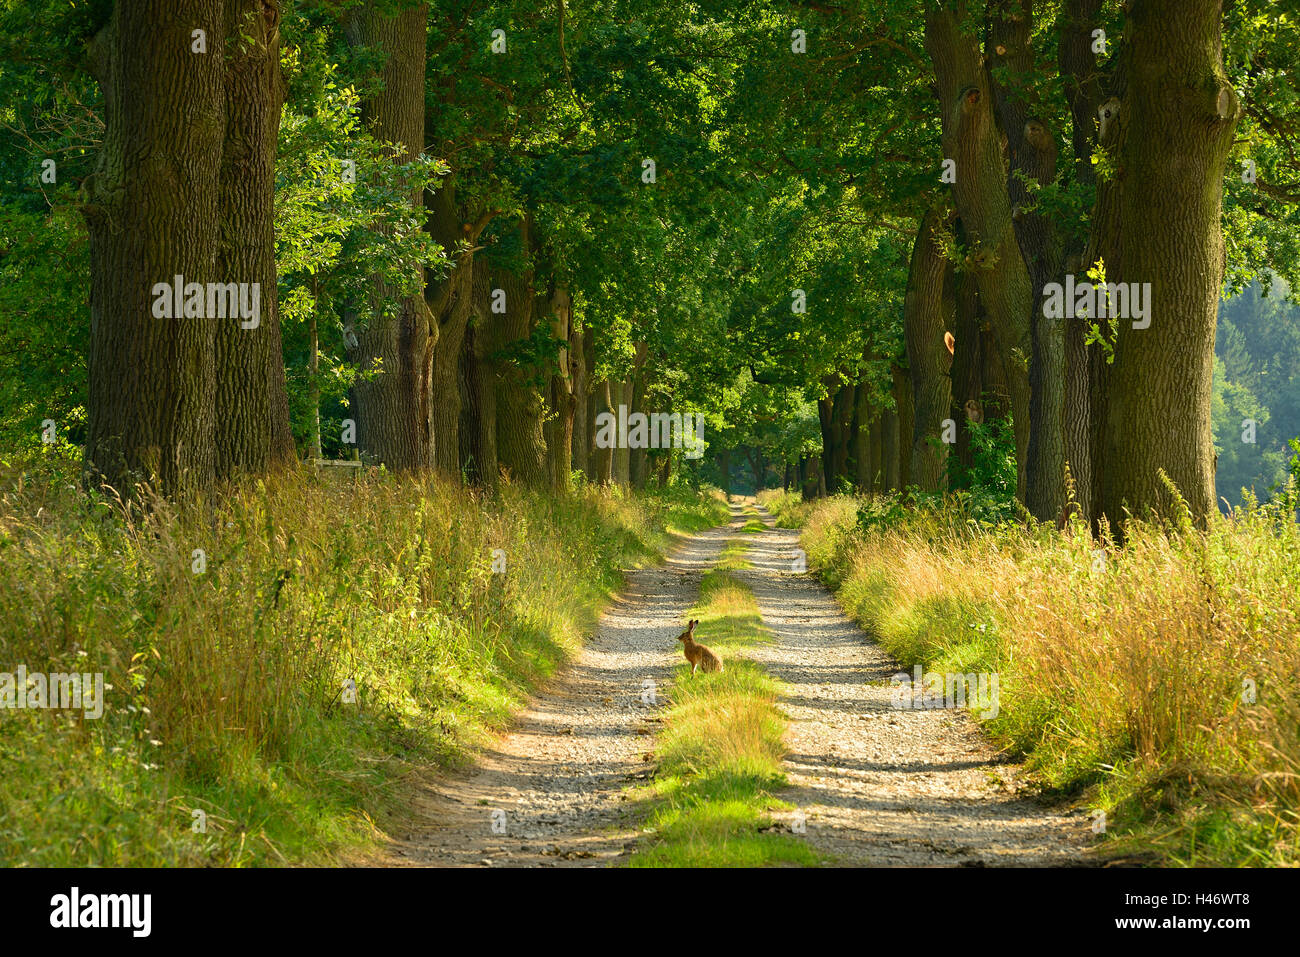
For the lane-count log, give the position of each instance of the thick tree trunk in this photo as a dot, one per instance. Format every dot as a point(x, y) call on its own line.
point(810, 484)
point(1081, 82)
point(393, 408)
point(638, 459)
point(151, 207)
point(581, 440)
point(830, 434)
point(588, 435)
point(971, 137)
point(252, 402)
point(480, 411)
point(621, 392)
point(602, 457)
point(836, 413)
point(561, 397)
point(862, 412)
point(889, 449)
point(1172, 133)
point(845, 404)
point(521, 443)
point(929, 313)
point(877, 441)
point(450, 302)
point(967, 367)
point(1031, 151)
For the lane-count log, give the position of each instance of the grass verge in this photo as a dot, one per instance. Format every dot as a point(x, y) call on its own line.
point(721, 749)
point(226, 630)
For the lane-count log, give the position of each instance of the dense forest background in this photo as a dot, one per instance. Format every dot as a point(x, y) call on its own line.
point(766, 213)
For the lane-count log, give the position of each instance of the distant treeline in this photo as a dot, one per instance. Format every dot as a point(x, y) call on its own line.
point(1256, 380)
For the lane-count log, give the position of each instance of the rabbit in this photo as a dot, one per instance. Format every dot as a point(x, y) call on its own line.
point(701, 657)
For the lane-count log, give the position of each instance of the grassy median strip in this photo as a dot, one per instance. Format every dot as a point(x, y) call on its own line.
point(720, 753)
point(753, 523)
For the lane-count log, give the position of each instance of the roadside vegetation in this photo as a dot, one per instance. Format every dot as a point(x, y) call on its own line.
point(1153, 680)
point(229, 631)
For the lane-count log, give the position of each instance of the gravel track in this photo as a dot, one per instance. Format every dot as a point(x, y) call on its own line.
point(877, 785)
point(874, 785)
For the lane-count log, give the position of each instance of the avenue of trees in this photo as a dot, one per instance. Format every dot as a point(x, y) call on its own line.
point(839, 230)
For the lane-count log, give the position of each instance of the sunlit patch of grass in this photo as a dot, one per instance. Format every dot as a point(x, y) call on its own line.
point(1126, 672)
point(753, 524)
point(721, 749)
point(787, 508)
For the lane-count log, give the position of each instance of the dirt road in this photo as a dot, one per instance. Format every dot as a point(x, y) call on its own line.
point(875, 785)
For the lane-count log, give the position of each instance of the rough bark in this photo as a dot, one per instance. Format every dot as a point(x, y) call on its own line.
point(450, 302)
point(561, 396)
point(972, 138)
point(1031, 154)
point(825, 419)
point(889, 450)
point(877, 443)
point(638, 459)
point(1045, 488)
point(592, 401)
point(845, 403)
point(862, 464)
point(928, 313)
point(252, 403)
point(836, 415)
point(968, 365)
point(621, 393)
point(903, 407)
point(1174, 128)
point(151, 207)
point(521, 443)
point(581, 389)
point(393, 409)
point(602, 458)
point(480, 410)
point(1081, 82)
